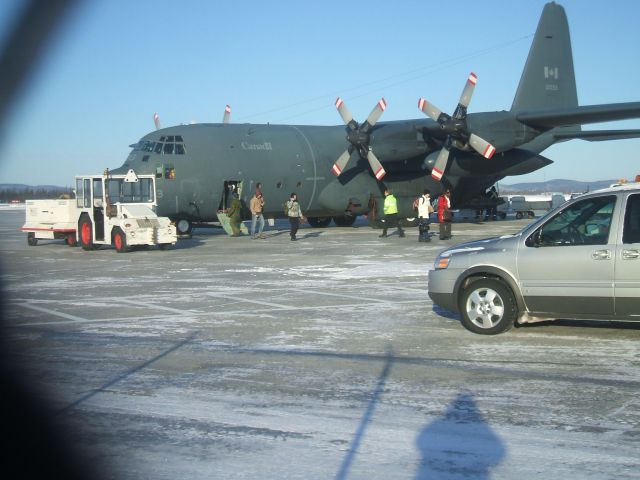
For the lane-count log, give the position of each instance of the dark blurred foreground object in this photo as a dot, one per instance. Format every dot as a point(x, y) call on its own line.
point(33, 445)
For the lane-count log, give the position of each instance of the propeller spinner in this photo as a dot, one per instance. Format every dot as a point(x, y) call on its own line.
point(456, 127)
point(359, 137)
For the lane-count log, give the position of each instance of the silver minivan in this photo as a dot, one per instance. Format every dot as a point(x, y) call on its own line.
point(580, 261)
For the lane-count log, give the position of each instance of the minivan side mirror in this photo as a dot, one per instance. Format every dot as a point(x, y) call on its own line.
point(535, 240)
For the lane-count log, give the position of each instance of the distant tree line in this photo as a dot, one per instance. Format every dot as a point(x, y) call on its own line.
point(10, 194)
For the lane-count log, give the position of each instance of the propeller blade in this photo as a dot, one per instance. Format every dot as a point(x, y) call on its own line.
point(227, 114)
point(156, 120)
point(467, 93)
point(429, 109)
point(441, 164)
point(344, 111)
point(481, 146)
point(341, 163)
point(376, 166)
point(377, 112)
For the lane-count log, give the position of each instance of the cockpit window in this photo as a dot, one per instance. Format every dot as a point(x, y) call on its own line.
point(168, 145)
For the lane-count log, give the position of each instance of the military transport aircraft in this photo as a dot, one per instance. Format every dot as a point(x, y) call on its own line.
point(339, 177)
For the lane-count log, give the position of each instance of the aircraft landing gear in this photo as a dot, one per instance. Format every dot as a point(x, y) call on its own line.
point(345, 220)
point(319, 222)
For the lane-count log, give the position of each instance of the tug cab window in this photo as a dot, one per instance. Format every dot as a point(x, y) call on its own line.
point(130, 192)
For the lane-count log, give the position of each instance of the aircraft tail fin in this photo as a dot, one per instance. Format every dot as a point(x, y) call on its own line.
point(548, 80)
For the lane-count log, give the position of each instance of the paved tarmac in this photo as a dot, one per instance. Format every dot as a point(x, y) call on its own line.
point(323, 358)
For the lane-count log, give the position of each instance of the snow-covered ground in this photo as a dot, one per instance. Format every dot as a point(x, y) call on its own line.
point(322, 358)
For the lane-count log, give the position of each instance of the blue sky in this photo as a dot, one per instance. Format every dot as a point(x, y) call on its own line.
point(116, 62)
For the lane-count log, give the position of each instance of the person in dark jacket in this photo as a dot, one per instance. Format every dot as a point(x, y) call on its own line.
point(234, 214)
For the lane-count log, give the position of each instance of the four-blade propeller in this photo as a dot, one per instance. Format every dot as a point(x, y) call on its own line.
point(359, 137)
point(458, 134)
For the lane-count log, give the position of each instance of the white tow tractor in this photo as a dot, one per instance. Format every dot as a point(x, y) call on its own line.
point(108, 209)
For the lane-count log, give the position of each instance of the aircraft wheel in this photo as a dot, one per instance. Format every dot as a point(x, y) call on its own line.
point(408, 222)
point(345, 220)
point(119, 240)
point(488, 307)
point(31, 239)
point(319, 222)
point(376, 224)
point(86, 233)
point(183, 226)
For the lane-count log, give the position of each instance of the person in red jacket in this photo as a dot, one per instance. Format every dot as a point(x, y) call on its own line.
point(444, 215)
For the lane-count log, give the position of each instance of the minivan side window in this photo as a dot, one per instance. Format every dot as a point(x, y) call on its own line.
point(586, 222)
point(631, 232)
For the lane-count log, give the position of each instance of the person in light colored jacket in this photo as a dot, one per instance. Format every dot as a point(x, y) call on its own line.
point(424, 210)
point(294, 212)
point(256, 206)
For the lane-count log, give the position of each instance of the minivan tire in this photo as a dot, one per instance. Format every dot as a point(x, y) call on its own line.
point(488, 307)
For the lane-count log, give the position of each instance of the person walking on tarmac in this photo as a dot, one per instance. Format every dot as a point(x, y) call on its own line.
point(294, 212)
point(444, 215)
point(424, 210)
point(234, 214)
point(256, 205)
point(390, 214)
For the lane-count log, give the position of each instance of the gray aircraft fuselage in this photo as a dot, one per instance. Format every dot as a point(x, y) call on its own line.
point(290, 158)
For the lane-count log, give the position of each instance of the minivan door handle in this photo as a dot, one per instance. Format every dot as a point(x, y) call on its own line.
point(630, 254)
point(601, 255)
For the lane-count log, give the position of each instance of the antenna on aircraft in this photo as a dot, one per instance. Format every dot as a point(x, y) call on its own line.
point(156, 120)
point(456, 127)
point(359, 138)
point(226, 118)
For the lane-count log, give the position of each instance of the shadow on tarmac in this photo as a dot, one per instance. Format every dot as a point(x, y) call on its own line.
point(366, 418)
point(460, 444)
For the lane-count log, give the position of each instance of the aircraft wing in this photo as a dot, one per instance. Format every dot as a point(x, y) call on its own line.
point(548, 119)
point(598, 135)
